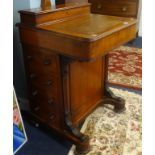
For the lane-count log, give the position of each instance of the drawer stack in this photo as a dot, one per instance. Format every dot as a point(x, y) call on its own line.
point(43, 83)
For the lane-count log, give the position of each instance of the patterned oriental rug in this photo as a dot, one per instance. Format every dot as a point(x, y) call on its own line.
point(125, 67)
point(115, 134)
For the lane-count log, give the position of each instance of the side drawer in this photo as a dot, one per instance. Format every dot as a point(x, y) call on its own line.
point(47, 109)
point(40, 59)
point(124, 8)
point(47, 84)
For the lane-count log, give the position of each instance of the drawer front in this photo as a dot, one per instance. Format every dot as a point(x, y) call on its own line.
point(47, 114)
point(46, 84)
point(46, 108)
point(38, 110)
point(46, 97)
point(40, 60)
point(125, 8)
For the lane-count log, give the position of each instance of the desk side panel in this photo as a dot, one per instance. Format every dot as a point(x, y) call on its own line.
point(86, 81)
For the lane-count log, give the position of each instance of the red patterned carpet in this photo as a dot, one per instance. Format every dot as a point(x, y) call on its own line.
point(125, 67)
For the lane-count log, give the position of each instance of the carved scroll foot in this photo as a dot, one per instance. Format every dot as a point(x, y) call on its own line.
point(117, 102)
point(83, 148)
point(82, 140)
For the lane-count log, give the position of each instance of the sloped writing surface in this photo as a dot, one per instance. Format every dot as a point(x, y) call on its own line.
point(89, 26)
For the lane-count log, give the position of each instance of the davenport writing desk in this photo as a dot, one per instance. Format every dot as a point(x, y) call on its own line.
point(64, 52)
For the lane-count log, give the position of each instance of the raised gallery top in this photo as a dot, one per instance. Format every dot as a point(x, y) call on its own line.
point(54, 8)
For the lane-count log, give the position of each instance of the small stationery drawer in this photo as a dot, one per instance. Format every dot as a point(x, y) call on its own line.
point(38, 110)
point(43, 95)
point(45, 109)
point(48, 105)
point(125, 8)
point(43, 82)
point(45, 114)
point(53, 119)
point(40, 60)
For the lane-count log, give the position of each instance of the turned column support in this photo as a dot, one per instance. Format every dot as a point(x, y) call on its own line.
point(83, 146)
point(81, 140)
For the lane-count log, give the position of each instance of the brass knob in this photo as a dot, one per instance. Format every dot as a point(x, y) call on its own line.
point(47, 62)
point(124, 8)
point(51, 117)
point(32, 75)
point(36, 125)
point(50, 101)
point(29, 57)
point(34, 93)
point(49, 82)
point(36, 108)
point(99, 6)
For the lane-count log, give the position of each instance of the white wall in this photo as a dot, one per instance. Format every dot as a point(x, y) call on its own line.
point(140, 26)
point(18, 66)
point(140, 19)
point(34, 3)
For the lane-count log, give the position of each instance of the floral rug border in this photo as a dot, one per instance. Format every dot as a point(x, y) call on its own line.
point(119, 79)
point(115, 134)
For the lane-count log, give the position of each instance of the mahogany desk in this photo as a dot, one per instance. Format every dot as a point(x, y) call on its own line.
point(65, 59)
